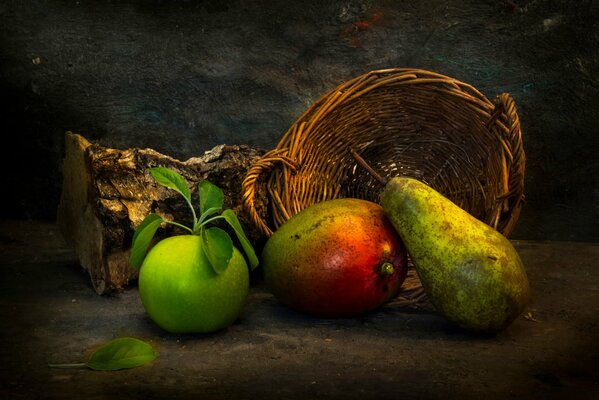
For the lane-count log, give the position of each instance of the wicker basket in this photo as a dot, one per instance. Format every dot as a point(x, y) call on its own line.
point(405, 122)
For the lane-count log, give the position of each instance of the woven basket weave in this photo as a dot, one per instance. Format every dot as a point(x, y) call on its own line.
point(403, 122)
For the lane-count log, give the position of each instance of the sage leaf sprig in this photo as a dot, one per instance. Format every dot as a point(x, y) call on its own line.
point(217, 244)
point(120, 353)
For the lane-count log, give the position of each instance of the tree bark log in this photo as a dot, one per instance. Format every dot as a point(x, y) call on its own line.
point(107, 192)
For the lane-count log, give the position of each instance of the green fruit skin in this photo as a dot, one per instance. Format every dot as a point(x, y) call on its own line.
point(470, 272)
point(181, 292)
point(326, 260)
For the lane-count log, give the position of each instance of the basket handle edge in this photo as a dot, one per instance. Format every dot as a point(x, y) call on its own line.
point(248, 187)
point(506, 105)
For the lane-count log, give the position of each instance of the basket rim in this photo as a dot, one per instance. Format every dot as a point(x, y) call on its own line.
point(381, 77)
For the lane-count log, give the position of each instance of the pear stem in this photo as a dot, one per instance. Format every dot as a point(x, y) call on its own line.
point(367, 167)
point(387, 269)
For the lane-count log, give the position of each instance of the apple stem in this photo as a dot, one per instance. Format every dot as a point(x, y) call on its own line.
point(193, 211)
point(179, 225)
point(387, 269)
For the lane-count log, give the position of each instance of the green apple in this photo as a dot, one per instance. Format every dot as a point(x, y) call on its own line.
point(195, 283)
point(182, 293)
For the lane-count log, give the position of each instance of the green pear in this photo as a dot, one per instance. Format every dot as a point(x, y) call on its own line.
point(470, 272)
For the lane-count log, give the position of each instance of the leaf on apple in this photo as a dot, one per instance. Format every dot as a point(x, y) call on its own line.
point(171, 179)
point(143, 236)
point(211, 197)
point(232, 219)
point(217, 244)
point(218, 248)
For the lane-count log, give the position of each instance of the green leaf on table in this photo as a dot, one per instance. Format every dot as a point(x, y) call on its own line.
point(121, 353)
point(232, 219)
point(117, 354)
point(211, 196)
point(218, 248)
point(171, 179)
point(142, 237)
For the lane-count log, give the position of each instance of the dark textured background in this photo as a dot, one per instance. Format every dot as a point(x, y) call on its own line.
point(183, 76)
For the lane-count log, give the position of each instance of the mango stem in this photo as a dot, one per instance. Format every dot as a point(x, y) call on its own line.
point(386, 269)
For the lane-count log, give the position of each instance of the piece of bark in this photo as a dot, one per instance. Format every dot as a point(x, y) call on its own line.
point(108, 192)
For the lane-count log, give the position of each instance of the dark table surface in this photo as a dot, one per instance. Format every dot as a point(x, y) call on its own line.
point(50, 314)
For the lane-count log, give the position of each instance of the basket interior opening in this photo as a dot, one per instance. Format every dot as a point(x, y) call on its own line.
point(414, 131)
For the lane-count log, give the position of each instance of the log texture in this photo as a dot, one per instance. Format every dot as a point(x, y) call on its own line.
point(107, 192)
